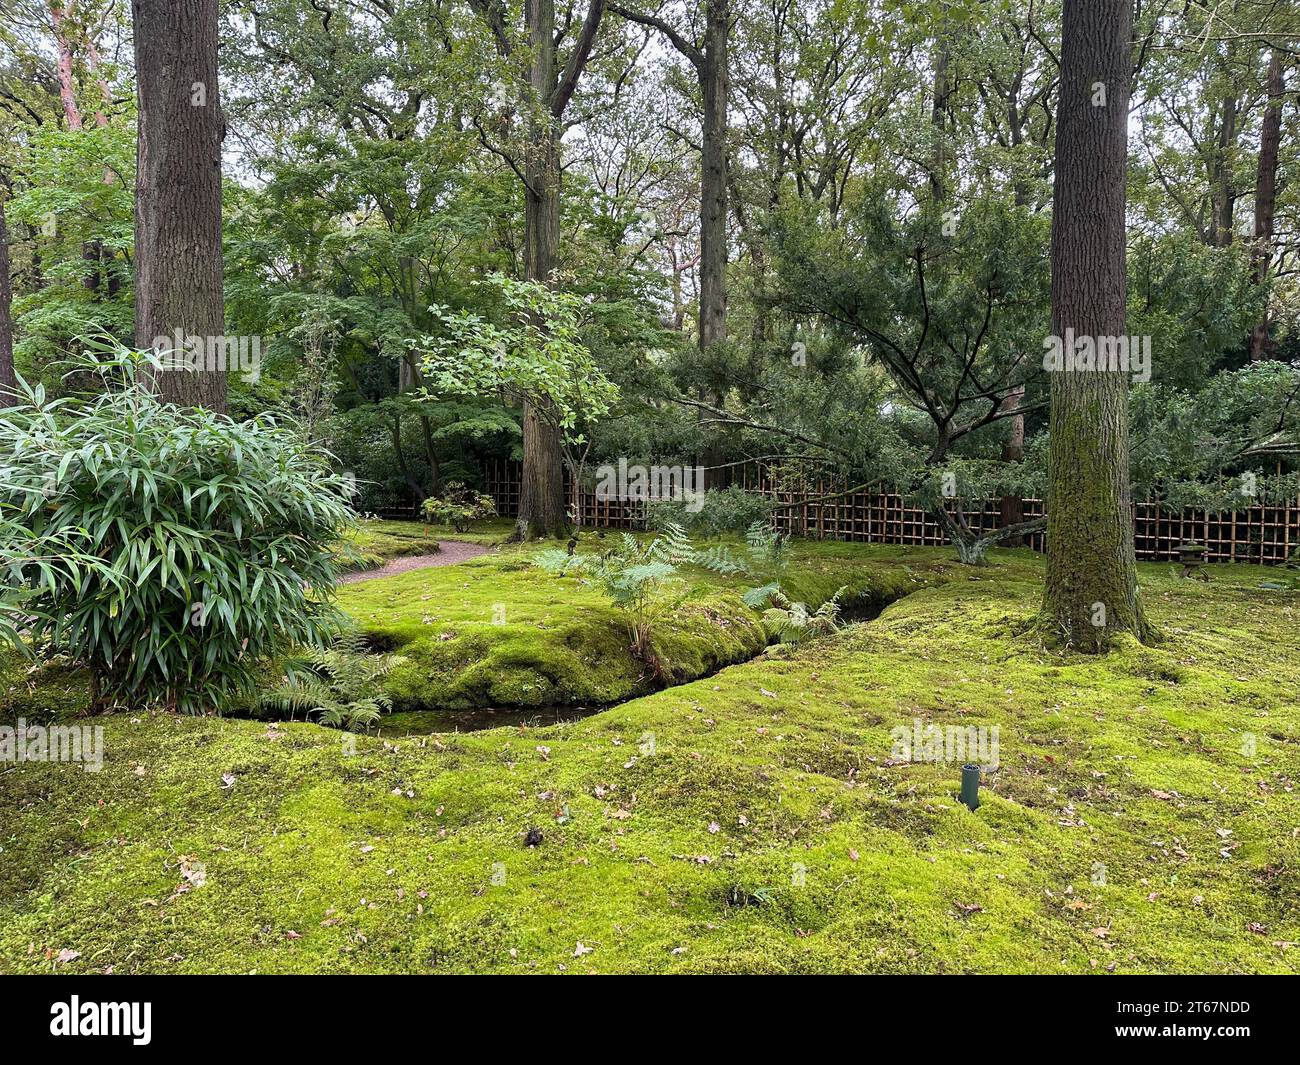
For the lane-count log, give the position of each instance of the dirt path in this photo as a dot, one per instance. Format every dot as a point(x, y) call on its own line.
point(452, 551)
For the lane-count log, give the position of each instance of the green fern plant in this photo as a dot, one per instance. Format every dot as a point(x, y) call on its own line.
point(340, 684)
point(769, 550)
point(638, 578)
point(792, 623)
point(767, 556)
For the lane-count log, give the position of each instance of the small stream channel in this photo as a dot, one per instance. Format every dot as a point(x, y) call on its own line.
point(475, 719)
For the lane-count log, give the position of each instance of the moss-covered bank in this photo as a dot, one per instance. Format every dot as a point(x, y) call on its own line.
point(499, 632)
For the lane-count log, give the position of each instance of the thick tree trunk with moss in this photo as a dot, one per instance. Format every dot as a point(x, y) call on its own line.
point(542, 510)
point(712, 71)
point(178, 189)
point(1091, 590)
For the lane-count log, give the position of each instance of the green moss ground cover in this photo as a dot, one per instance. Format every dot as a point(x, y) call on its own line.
point(1143, 818)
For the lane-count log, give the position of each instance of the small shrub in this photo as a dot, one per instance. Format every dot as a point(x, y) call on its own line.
point(195, 545)
point(458, 507)
point(726, 510)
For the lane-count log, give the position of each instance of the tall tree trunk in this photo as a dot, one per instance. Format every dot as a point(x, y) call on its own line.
point(418, 495)
point(430, 454)
point(98, 275)
point(178, 192)
point(1270, 139)
point(541, 497)
point(714, 79)
point(542, 510)
point(675, 283)
point(1091, 590)
point(715, 88)
point(712, 71)
point(63, 64)
point(1224, 192)
point(7, 378)
point(409, 377)
point(938, 112)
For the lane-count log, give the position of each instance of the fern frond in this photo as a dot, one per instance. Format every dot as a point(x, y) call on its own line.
point(718, 559)
point(631, 548)
point(559, 562)
point(677, 548)
point(757, 598)
point(341, 684)
point(333, 716)
point(302, 697)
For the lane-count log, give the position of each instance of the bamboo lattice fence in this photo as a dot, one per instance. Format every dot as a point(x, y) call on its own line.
point(1264, 535)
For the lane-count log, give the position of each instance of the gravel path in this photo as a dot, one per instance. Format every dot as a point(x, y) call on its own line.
point(452, 551)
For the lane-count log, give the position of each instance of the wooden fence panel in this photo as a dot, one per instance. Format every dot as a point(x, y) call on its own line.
point(1264, 535)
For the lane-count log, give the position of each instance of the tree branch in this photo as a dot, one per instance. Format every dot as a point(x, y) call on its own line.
point(577, 58)
point(679, 42)
point(493, 12)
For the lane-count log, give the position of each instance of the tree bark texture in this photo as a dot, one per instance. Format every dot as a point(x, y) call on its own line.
point(1270, 140)
point(7, 378)
point(1091, 589)
point(178, 282)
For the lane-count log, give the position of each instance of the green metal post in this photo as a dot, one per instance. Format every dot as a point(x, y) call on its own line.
point(970, 786)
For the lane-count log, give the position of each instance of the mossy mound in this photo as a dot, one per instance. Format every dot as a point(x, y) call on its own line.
point(499, 632)
point(40, 691)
